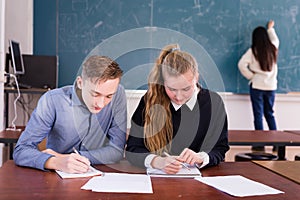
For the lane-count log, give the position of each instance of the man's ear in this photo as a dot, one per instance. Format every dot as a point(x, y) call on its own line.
point(79, 82)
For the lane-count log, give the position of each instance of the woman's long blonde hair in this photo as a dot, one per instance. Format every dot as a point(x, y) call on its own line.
point(158, 128)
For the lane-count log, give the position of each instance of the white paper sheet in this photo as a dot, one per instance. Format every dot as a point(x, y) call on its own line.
point(192, 172)
point(92, 172)
point(239, 186)
point(120, 182)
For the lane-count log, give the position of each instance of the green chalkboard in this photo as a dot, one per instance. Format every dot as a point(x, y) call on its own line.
point(216, 32)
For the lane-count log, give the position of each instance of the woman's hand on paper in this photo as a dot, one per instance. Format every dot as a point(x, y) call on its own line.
point(190, 157)
point(170, 165)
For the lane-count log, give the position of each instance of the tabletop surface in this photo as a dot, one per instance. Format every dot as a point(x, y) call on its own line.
point(236, 137)
point(289, 169)
point(9, 136)
point(293, 131)
point(26, 90)
point(25, 183)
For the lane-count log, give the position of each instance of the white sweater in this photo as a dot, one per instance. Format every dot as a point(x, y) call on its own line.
point(250, 68)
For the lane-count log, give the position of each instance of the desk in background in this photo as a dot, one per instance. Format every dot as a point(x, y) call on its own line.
point(250, 137)
point(14, 184)
point(8, 90)
point(293, 131)
point(288, 169)
point(10, 137)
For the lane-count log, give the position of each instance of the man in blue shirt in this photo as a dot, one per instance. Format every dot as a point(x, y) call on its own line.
point(89, 116)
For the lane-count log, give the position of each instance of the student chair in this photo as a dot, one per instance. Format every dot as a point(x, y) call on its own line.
point(255, 156)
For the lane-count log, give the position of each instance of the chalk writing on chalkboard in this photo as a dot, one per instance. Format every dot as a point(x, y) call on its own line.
point(222, 28)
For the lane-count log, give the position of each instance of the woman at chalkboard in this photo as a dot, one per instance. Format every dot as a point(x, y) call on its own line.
point(259, 66)
point(177, 117)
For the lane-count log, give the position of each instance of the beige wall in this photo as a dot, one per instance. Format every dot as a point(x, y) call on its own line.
point(16, 22)
point(19, 24)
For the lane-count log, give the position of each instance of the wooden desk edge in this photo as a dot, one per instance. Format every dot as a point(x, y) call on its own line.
point(265, 164)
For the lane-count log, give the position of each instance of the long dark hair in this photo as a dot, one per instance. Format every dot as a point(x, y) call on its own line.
point(263, 49)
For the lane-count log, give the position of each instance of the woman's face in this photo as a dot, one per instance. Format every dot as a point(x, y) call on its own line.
point(180, 88)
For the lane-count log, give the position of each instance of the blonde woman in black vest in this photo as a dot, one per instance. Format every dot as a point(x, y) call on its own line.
point(177, 117)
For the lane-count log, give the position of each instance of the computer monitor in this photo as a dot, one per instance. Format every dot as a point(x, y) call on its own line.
point(16, 57)
point(41, 71)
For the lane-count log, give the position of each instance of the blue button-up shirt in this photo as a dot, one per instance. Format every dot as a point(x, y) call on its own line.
point(66, 123)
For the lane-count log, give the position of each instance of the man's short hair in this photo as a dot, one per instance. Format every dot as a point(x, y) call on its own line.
point(98, 68)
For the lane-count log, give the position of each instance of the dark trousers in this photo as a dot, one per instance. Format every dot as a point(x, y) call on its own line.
point(262, 105)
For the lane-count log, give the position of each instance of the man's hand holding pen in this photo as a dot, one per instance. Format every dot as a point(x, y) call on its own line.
point(70, 163)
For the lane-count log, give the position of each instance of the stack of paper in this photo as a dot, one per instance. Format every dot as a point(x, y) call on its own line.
point(120, 182)
point(190, 172)
point(92, 172)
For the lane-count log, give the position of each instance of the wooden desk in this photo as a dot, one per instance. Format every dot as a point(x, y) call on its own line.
point(288, 169)
point(10, 138)
point(28, 91)
point(293, 131)
point(250, 137)
point(25, 183)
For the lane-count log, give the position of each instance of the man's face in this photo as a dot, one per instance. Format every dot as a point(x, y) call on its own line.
point(97, 95)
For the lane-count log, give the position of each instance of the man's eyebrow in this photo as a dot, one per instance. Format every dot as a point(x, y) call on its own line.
point(111, 93)
point(94, 91)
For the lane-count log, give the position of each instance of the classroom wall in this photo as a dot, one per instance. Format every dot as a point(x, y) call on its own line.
point(238, 106)
point(21, 14)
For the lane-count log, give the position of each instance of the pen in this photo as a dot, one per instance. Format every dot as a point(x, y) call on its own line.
point(91, 169)
point(76, 151)
point(183, 164)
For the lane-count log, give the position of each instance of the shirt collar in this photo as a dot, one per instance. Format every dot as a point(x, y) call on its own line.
point(75, 99)
point(190, 103)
